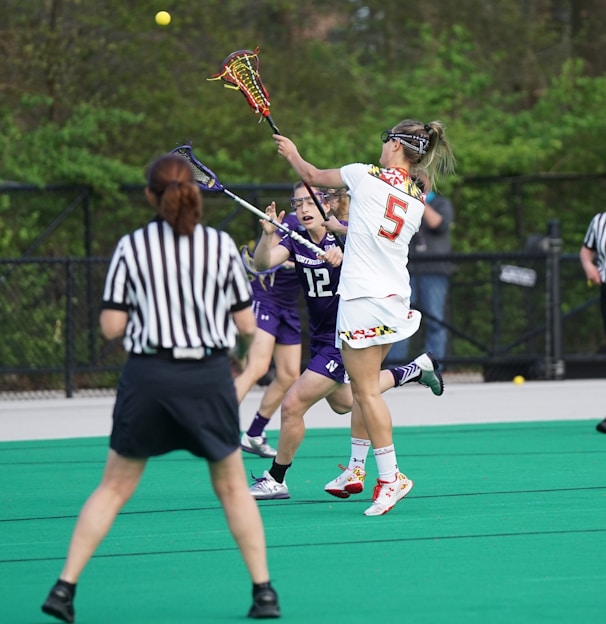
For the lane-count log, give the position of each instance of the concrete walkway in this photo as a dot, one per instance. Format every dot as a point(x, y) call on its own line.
point(462, 403)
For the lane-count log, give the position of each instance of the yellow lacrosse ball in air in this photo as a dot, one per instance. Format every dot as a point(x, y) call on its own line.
point(163, 18)
point(518, 379)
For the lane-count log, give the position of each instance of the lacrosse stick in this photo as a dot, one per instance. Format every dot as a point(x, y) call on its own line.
point(248, 260)
point(208, 181)
point(240, 71)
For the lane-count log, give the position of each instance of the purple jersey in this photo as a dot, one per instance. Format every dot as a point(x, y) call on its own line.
point(282, 285)
point(319, 281)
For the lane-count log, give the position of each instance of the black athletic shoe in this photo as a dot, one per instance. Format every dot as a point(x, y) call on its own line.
point(601, 426)
point(265, 603)
point(60, 604)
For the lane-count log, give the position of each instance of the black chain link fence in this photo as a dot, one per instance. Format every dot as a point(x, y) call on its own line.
point(529, 313)
point(498, 323)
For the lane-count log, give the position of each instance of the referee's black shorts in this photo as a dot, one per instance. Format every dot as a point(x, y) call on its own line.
point(164, 405)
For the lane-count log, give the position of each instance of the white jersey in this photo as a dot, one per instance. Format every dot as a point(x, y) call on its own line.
point(384, 214)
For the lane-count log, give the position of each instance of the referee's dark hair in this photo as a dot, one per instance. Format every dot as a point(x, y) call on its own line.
point(175, 193)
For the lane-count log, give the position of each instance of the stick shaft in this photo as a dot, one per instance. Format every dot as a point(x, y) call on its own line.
point(273, 126)
point(211, 183)
point(283, 228)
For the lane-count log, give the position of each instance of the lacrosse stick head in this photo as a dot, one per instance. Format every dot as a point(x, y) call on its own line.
point(249, 264)
point(206, 179)
point(240, 70)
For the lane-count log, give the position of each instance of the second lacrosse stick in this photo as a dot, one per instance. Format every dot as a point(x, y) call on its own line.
point(208, 181)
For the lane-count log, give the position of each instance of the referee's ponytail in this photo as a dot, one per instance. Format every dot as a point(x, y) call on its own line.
point(170, 180)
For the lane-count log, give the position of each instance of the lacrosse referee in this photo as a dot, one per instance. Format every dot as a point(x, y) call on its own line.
point(178, 294)
point(593, 261)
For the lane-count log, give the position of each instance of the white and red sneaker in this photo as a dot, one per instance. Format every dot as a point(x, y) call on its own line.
point(350, 481)
point(387, 493)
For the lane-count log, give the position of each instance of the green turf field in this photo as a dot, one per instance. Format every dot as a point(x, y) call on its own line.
point(506, 524)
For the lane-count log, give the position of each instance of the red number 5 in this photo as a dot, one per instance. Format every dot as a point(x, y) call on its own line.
point(394, 205)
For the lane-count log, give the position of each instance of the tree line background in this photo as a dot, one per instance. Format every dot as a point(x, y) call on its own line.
point(90, 92)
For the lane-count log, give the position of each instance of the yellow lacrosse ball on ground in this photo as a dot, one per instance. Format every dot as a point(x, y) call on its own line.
point(163, 18)
point(518, 379)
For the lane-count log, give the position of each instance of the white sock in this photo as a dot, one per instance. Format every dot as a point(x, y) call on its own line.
point(387, 463)
point(359, 453)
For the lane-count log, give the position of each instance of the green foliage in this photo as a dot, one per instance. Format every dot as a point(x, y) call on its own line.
point(77, 151)
point(93, 93)
point(341, 69)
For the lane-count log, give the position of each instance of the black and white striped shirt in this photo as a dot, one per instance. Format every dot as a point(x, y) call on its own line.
point(178, 291)
point(595, 239)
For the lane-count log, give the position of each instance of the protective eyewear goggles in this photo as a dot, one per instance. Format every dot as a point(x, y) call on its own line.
point(336, 196)
point(297, 202)
point(421, 148)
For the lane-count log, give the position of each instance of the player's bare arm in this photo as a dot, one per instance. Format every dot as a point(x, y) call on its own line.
point(326, 178)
